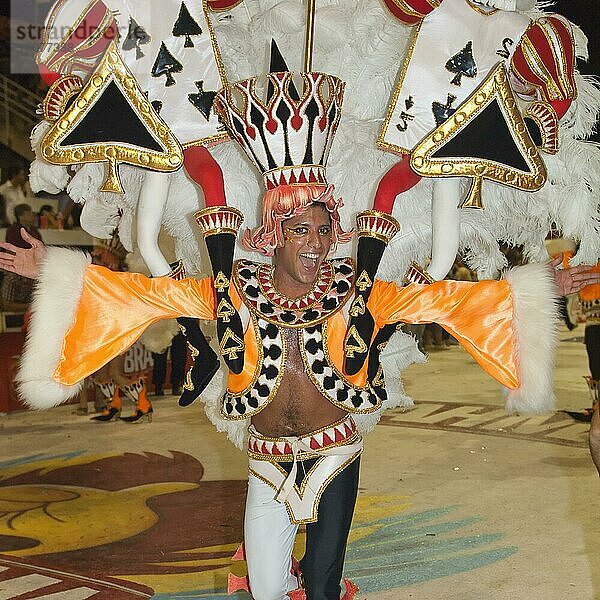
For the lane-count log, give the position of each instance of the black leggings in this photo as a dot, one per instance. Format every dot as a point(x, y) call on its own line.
point(326, 540)
point(592, 345)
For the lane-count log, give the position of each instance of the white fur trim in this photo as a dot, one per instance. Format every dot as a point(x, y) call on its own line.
point(55, 301)
point(535, 327)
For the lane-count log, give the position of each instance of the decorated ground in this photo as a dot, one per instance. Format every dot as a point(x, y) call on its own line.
point(457, 500)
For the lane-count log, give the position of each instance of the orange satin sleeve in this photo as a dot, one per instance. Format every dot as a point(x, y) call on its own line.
point(479, 315)
point(115, 309)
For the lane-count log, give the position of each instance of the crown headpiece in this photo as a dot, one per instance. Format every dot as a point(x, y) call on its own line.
point(86, 29)
point(288, 134)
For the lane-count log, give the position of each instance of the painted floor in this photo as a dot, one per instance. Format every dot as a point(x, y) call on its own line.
point(457, 500)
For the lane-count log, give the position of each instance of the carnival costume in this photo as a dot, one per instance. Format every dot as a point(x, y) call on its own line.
point(287, 131)
point(495, 322)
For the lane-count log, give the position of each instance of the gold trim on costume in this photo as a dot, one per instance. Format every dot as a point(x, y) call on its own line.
point(417, 274)
point(358, 307)
point(256, 436)
point(221, 283)
point(112, 69)
point(381, 143)
point(275, 320)
point(409, 10)
point(189, 384)
point(539, 68)
point(331, 364)
point(321, 287)
point(561, 88)
point(495, 87)
point(364, 281)
point(177, 271)
point(230, 7)
point(58, 96)
point(317, 499)
point(544, 115)
point(231, 352)
point(215, 44)
point(225, 310)
point(377, 224)
point(360, 346)
point(255, 458)
point(213, 220)
point(378, 380)
point(310, 34)
point(59, 46)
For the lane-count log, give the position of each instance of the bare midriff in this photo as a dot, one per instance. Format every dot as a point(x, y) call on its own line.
point(298, 407)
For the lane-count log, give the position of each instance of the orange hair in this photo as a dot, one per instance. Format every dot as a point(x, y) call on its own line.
point(285, 202)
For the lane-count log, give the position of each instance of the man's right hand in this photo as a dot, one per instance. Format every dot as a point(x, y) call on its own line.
point(23, 261)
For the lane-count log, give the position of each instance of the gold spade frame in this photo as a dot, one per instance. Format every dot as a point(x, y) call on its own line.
point(112, 69)
point(494, 87)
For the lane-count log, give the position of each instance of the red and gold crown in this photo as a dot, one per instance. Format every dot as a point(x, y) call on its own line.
point(86, 29)
point(288, 135)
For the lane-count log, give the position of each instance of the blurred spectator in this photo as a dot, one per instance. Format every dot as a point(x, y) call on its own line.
point(4, 222)
point(48, 218)
point(178, 361)
point(559, 246)
point(15, 291)
point(24, 217)
point(13, 190)
point(590, 302)
point(123, 376)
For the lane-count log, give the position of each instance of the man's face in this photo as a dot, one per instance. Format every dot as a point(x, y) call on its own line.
point(308, 239)
point(26, 218)
point(20, 178)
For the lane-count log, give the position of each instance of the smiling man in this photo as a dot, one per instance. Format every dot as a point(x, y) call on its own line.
point(293, 396)
point(303, 442)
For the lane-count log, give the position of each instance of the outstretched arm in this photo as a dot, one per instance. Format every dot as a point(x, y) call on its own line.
point(23, 261)
point(84, 315)
point(509, 326)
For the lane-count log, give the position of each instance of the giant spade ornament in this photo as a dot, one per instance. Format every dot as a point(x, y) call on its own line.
point(112, 121)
